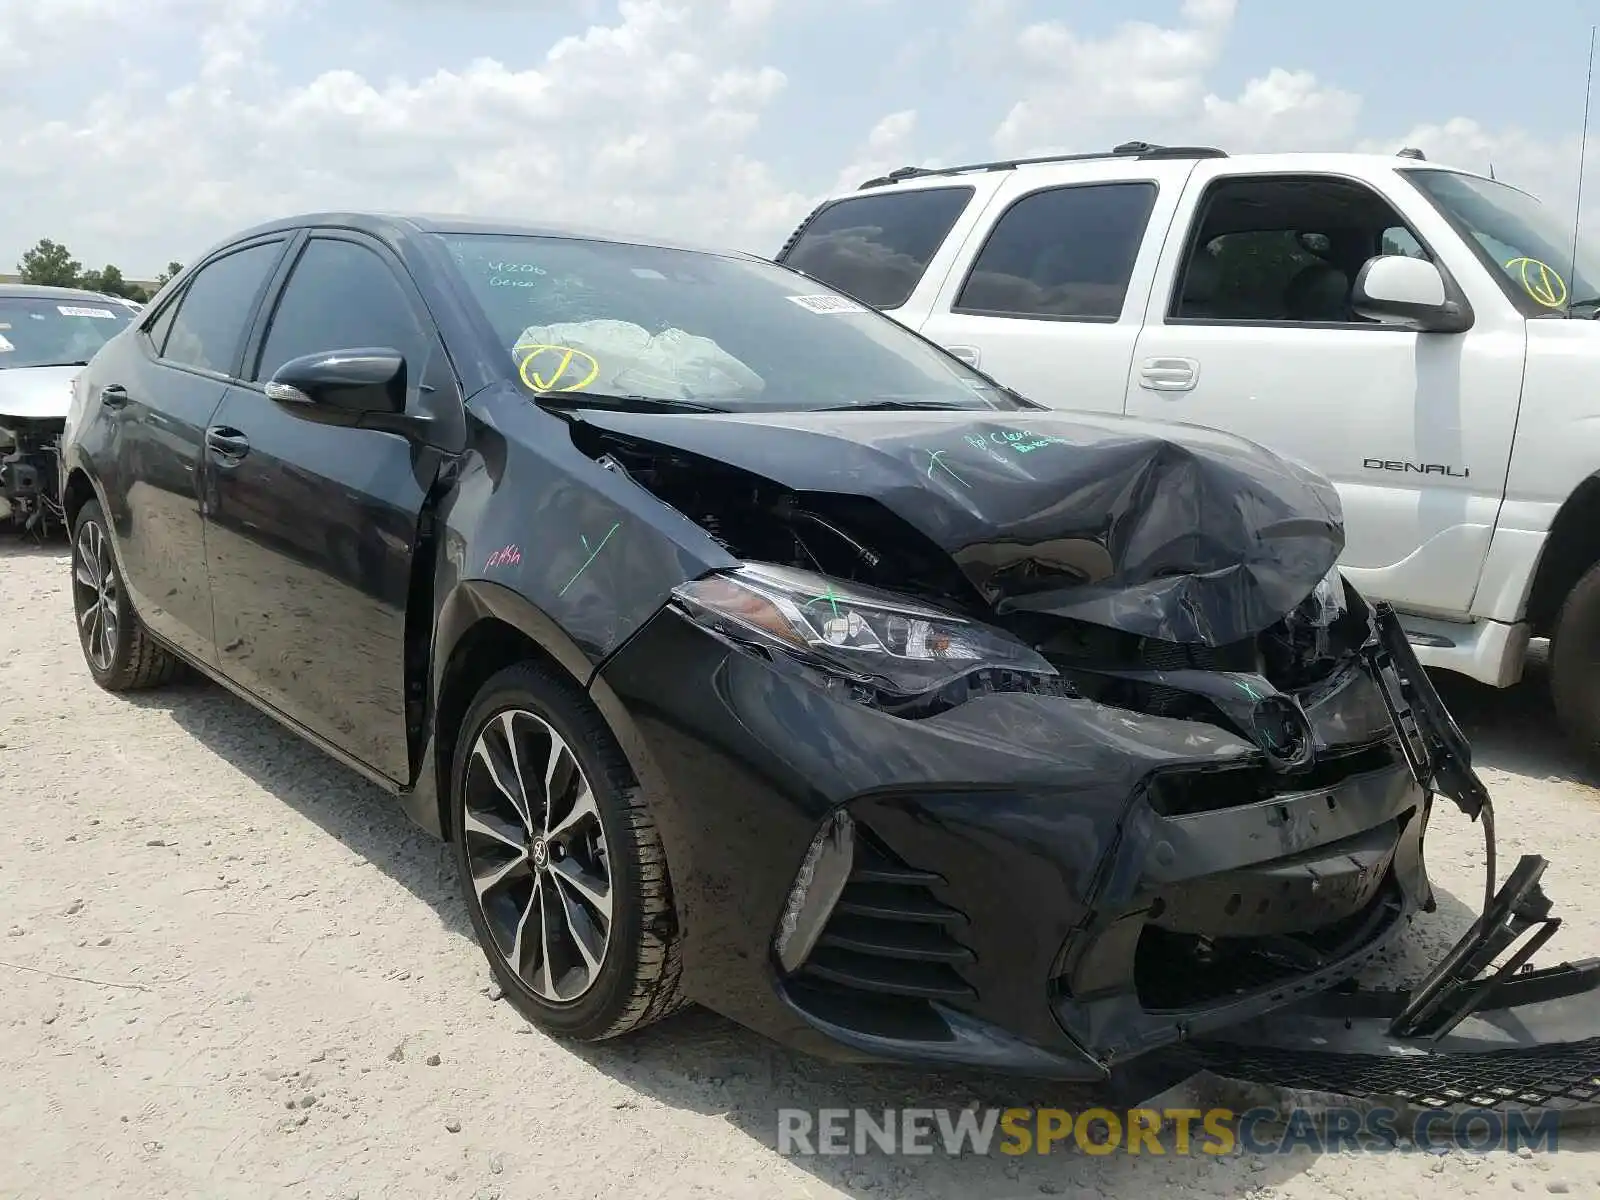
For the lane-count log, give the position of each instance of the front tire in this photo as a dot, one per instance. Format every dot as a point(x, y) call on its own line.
point(559, 860)
point(1575, 666)
point(120, 653)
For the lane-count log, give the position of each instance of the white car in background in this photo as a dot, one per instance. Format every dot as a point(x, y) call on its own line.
point(47, 335)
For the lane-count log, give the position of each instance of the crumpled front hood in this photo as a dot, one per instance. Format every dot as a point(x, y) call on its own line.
point(38, 393)
point(1166, 531)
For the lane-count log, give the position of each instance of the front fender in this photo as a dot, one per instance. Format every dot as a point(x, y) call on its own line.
point(471, 602)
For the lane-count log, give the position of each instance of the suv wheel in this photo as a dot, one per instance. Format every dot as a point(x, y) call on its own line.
point(1575, 666)
point(121, 654)
point(559, 861)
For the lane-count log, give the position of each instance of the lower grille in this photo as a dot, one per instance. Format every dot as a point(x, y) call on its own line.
point(1557, 1077)
point(1174, 972)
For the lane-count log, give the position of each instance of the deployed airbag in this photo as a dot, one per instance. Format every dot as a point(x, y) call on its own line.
point(628, 360)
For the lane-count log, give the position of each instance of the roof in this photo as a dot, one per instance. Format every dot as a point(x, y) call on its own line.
point(1336, 161)
point(45, 292)
point(389, 224)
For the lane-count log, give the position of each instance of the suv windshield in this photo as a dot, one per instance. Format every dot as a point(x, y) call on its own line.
point(1527, 244)
point(698, 329)
point(44, 331)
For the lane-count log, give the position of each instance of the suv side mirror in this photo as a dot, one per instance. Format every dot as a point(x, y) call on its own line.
point(1398, 289)
point(341, 387)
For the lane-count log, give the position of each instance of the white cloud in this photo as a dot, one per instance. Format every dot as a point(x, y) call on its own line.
point(1148, 82)
point(657, 117)
point(648, 121)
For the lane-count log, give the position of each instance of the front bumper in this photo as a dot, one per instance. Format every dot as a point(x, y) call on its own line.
point(1038, 884)
point(30, 473)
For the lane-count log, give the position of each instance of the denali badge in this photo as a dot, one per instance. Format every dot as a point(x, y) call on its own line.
point(1387, 464)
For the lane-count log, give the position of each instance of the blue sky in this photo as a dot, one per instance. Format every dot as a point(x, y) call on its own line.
point(716, 118)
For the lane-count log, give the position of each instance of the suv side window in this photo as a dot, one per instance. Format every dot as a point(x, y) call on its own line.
point(340, 296)
point(1282, 249)
point(877, 247)
point(1064, 253)
point(216, 308)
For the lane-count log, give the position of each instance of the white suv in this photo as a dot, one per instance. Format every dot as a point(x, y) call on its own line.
point(1421, 335)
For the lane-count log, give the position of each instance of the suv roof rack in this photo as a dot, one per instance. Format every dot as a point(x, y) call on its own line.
point(1140, 150)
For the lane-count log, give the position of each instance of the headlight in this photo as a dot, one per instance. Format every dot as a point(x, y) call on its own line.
point(884, 643)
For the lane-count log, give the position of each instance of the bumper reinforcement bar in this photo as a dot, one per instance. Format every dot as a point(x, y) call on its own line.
point(1469, 1036)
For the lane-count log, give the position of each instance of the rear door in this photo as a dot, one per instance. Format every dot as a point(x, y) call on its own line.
point(312, 533)
point(157, 398)
point(1049, 289)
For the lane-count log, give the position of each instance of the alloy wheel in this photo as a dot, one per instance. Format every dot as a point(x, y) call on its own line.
point(95, 594)
point(538, 857)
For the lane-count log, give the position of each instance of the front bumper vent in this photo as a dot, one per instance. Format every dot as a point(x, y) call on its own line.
point(889, 949)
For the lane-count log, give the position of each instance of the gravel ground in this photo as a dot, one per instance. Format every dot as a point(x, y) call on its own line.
point(232, 968)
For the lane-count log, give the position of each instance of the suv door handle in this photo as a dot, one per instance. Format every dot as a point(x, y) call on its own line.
point(967, 354)
point(227, 442)
point(1169, 374)
point(113, 395)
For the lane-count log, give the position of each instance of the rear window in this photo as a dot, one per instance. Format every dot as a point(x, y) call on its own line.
point(877, 247)
point(43, 331)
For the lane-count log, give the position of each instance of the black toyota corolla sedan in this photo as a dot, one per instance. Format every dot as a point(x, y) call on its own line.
point(754, 651)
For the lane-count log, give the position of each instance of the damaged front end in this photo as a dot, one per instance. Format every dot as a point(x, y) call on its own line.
point(29, 498)
point(1063, 745)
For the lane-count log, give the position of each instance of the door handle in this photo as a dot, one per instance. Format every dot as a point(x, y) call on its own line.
point(967, 354)
point(227, 442)
point(1169, 374)
point(113, 395)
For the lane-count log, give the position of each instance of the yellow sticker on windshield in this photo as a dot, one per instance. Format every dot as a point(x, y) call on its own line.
point(556, 368)
point(1540, 281)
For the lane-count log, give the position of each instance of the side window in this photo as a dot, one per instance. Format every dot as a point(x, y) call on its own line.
point(158, 329)
point(877, 247)
point(216, 307)
point(1285, 249)
point(1244, 276)
point(1397, 239)
point(340, 296)
point(1065, 253)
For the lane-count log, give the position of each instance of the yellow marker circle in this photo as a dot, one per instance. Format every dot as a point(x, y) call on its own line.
point(1540, 281)
point(563, 363)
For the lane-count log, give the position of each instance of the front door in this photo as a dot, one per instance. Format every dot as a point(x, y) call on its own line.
point(311, 542)
point(1250, 329)
point(159, 410)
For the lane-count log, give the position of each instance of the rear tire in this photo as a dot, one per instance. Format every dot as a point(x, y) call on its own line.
point(1575, 666)
point(118, 649)
point(568, 880)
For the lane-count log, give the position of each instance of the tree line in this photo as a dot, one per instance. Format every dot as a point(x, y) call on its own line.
point(50, 264)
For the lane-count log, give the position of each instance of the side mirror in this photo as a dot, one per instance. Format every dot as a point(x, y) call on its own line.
point(342, 386)
point(1398, 289)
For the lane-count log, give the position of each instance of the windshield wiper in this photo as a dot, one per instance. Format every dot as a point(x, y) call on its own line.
point(621, 403)
point(891, 403)
point(75, 362)
point(888, 403)
point(1587, 302)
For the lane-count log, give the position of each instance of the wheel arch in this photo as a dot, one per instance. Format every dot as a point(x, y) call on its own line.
point(483, 627)
point(76, 491)
point(1572, 547)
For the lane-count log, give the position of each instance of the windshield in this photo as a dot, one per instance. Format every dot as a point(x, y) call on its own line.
point(40, 331)
point(1528, 245)
point(609, 320)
